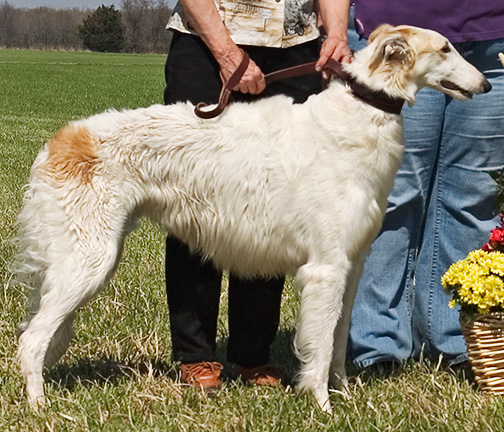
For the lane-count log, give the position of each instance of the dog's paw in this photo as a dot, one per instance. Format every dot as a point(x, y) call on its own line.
point(36, 403)
point(322, 398)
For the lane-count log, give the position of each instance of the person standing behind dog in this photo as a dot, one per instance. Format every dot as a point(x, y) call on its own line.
point(205, 51)
point(442, 203)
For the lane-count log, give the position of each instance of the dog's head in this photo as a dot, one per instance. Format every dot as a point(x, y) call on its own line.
point(406, 59)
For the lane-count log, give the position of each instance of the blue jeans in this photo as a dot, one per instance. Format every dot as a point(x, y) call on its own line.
point(441, 207)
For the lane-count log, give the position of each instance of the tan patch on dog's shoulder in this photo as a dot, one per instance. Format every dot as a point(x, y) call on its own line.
point(72, 154)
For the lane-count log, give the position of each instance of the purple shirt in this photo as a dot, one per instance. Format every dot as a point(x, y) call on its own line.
point(458, 20)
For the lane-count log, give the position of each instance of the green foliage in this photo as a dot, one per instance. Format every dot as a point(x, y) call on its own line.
point(118, 374)
point(103, 30)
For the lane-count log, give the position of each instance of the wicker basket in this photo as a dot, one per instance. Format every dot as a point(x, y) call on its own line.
point(484, 336)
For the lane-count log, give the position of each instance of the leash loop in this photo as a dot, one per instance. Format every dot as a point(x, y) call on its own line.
point(225, 93)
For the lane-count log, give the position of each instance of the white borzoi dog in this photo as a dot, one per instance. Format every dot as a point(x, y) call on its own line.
point(267, 188)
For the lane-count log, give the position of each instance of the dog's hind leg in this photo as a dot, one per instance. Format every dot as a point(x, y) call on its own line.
point(33, 354)
point(59, 342)
point(67, 286)
point(49, 330)
point(322, 290)
point(337, 375)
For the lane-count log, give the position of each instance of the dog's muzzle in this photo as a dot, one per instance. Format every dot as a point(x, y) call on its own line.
point(484, 88)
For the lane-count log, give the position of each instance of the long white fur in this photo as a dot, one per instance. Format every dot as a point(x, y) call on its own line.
point(267, 188)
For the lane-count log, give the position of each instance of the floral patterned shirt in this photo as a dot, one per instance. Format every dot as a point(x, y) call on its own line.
point(271, 23)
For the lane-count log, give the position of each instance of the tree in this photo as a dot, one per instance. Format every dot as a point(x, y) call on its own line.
point(145, 25)
point(40, 28)
point(8, 19)
point(103, 30)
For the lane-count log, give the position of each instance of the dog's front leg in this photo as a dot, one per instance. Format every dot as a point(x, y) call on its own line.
point(337, 374)
point(322, 289)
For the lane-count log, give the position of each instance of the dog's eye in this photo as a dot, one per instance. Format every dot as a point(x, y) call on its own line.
point(446, 49)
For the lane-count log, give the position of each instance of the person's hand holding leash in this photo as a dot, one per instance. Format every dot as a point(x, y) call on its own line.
point(335, 45)
point(252, 80)
point(207, 22)
point(336, 48)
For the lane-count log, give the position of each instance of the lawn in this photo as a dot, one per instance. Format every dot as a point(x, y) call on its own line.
point(118, 374)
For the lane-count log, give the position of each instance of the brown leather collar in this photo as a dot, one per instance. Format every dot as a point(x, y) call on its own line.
point(375, 98)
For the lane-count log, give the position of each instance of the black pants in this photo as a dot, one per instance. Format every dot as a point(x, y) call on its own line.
point(193, 287)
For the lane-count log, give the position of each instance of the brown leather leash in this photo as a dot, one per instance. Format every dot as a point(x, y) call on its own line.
point(378, 99)
point(225, 93)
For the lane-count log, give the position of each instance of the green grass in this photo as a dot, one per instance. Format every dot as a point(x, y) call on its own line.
point(118, 374)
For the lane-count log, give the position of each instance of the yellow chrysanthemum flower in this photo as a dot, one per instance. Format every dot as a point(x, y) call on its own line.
point(477, 281)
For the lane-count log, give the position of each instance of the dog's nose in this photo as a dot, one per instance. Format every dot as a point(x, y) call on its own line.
point(487, 86)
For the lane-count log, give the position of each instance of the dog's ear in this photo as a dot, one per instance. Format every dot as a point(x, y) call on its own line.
point(393, 50)
point(396, 50)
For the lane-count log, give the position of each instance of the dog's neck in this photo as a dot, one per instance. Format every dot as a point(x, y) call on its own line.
point(376, 98)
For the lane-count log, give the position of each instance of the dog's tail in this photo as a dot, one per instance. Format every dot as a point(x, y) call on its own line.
point(46, 234)
point(43, 235)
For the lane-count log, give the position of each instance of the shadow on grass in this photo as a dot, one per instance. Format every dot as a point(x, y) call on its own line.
point(464, 373)
point(390, 370)
point(108, 370)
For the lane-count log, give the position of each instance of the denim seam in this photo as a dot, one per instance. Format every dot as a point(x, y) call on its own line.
point(435, 256)
point(437, 228)
point(411, 267)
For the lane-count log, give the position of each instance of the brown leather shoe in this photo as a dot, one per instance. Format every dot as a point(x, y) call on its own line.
point(266, 375)
point(203, 375)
